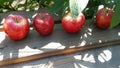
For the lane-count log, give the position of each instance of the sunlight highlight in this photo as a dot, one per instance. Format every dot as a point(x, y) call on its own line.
point(2, 36)
point(76, 66)
point(106, 55)
point(29, 20)
point(118, 33)
point(87, 57)
point(100, 41)
point(11, 55)
point(119, 66)
point(1, 57)
point(80, 66)
point(28, 51)
point(78, 57)
point(89, 29)
point(83, 66)
point(34, 15)
point(85, 35)
point(82, 43)
point(53, 45)
point(45, 65)
point(2, 20)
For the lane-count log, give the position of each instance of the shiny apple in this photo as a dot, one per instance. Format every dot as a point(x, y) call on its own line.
point(43, 23)
point(73, 25)
point(104, 17)
point(16, 26)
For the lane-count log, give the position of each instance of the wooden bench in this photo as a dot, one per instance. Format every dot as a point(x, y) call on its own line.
point(61, 43)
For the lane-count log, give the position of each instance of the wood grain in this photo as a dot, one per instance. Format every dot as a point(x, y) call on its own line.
point(56, 53)
point(108, 38)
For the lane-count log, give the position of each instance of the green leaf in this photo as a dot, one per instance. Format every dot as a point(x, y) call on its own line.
point(3, 1)
point(58, 4)
point(116, 16)
point(65, 7)
point(77, 6)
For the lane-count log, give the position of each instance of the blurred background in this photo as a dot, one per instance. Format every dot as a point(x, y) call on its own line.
point(54, 5)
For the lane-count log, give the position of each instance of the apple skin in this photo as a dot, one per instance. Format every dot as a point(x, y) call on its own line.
point(16, 26)
point(104, 17)
point(72, 25)
point(43, 23)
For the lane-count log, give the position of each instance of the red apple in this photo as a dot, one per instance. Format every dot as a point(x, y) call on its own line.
point(43, 23)
point(16, 26)
point(104, 17)
point(73, 25)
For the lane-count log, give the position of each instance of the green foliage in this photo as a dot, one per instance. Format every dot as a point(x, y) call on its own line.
point(5, 2)
point(14, 5)
point(116, 16)
point(58, 5)
point(92, 8)
point(45, 3)
point(5, 5)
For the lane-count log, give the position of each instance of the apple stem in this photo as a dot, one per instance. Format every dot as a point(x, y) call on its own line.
point(108, 11)
point(17, 21)
point(42, 17)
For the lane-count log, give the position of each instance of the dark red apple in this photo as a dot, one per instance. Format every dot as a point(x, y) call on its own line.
point(16, 26)
point(43, 23)
point(104, 17)
point(73, 25)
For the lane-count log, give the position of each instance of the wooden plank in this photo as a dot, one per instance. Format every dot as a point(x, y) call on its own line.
point(56, 53)
point(90, 37)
